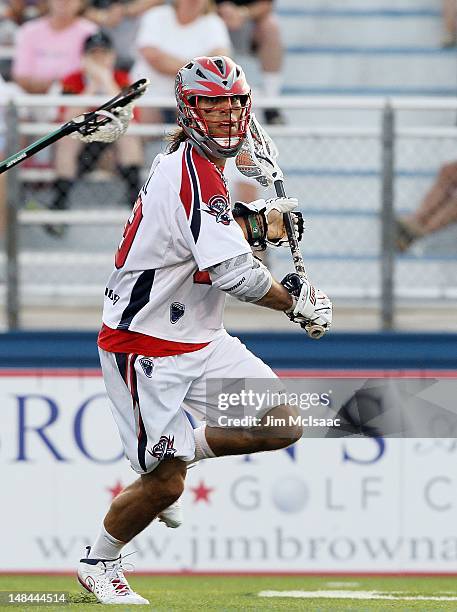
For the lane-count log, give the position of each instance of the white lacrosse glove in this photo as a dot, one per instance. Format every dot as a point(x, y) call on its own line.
point(310, 305)
point(108, 132)
point(284, 205)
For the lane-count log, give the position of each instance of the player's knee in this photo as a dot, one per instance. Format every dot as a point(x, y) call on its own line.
point(286, 438)
point(287, 427)
point(174, 488)
point(296, 432)
point(166, 481)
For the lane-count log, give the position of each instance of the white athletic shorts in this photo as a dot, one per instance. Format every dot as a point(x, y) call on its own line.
point(150, 396)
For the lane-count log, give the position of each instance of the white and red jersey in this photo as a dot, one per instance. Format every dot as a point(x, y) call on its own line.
point(159, 299)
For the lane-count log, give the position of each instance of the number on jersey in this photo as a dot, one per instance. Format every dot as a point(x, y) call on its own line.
point(130, 230)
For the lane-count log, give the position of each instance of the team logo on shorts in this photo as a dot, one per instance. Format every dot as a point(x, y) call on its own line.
point(147, 365)
point(176, 312)
point(219, 207)
point(164, 448)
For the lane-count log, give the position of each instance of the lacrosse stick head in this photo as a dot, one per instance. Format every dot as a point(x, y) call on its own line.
point(218, 133)
point(111, 120)
point(257, 155)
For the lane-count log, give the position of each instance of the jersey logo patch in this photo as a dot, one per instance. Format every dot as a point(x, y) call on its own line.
point(164, 448)
point(219, 207)
point(176, 312)
point(147, 365)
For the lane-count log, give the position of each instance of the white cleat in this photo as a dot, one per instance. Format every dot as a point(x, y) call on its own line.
point(172, 516)
point(106, 580)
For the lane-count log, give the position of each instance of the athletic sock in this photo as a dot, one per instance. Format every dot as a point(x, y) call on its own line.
point(272, 82)
point(105, 546)
point(202, 448)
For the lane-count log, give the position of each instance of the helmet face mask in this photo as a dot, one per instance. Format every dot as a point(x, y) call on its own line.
point(214, 104)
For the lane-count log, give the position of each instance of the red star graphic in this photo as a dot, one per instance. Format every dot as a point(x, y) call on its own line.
point(201, 492)
point(118, 487)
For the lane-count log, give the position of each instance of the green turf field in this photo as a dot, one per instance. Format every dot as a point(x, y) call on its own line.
point(195, 593)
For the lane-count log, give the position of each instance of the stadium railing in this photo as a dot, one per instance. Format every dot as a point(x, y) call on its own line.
point(351, 175)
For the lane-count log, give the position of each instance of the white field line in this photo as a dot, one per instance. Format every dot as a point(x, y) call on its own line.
point(338, 585)
point(351, 595)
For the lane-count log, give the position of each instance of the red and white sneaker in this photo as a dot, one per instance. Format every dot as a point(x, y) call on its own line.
point(172, 516)
point(106, 580)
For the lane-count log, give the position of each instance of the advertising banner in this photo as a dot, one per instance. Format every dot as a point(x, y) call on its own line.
point(341, 504)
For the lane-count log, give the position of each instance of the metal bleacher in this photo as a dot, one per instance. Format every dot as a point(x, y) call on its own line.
point(363, 48)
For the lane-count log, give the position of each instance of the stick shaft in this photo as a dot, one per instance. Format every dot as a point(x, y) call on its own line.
point(293, 242)
point(313, 331)
point(120, 99)
point(33, 148)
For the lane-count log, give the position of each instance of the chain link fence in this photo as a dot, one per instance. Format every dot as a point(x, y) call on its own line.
point(351, 180)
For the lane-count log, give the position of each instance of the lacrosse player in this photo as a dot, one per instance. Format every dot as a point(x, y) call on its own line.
point(183, 249)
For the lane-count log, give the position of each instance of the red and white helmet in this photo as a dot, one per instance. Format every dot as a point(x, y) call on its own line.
point(212, 77)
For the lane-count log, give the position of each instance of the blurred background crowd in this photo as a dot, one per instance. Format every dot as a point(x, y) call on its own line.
point(95, 47)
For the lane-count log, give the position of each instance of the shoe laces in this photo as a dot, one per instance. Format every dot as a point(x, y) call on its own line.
point(115, 575)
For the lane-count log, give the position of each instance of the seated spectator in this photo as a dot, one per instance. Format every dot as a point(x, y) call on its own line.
point(449, 23)
point(254, 29)
point(50, 47)
point(74, 158)
point(14, 13)
point(4, 87)
point(437, 210)
point(20, 11)
point(169, 36)
point(120, 19)
point(8, 30)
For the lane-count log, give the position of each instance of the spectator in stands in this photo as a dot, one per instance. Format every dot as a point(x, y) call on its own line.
point(21, 11)
point(3, 92)
point(120, 19)
point(50, 47)
point(169, 36)
point(437, 210)
point(7, 34)
point(254, 28)
point(449, 23)
point(98, 76)
point(14, 13)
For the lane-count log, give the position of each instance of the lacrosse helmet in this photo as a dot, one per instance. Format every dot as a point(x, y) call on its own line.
point(213, 77)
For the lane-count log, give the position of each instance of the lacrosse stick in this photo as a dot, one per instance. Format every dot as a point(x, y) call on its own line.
point(104, 124)
point(257, 159)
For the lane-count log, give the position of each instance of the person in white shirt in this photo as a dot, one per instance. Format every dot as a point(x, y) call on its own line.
point(169, 36)
point(162, 339)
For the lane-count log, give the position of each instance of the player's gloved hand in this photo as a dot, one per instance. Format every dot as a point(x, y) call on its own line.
point(266, 220)
point(310, 305)
point(274, 210)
